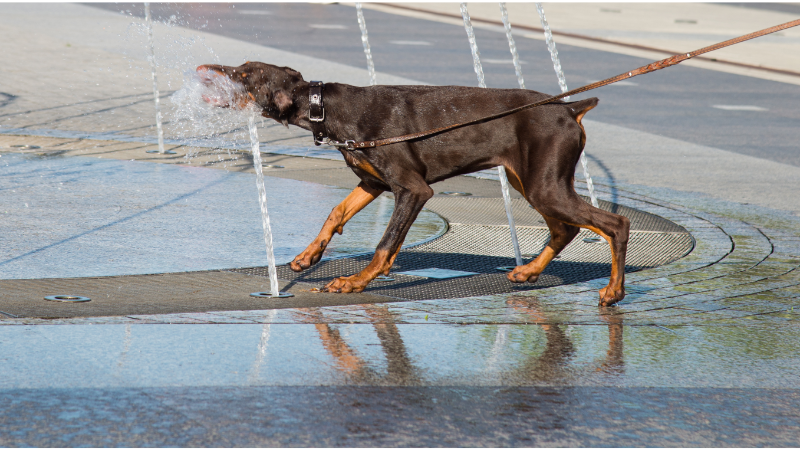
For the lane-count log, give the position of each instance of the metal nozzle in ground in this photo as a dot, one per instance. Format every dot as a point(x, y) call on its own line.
point(165, 152)
point(269, 295)
point(67, 298)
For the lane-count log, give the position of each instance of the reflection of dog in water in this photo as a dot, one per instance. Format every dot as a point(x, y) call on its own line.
point(400, 371)
point(539, 148)
point(553, 363)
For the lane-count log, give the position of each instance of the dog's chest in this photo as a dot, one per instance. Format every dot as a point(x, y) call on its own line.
point(362, 168)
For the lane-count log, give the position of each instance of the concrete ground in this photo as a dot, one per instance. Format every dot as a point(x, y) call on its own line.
point(703, 351)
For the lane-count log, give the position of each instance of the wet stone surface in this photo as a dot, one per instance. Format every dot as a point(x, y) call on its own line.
point(702, 352)
point(82, 217)
point(420, 416)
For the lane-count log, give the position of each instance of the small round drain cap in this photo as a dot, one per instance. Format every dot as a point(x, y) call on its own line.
point(269, 295)
point(166, 152)
point(67, 298)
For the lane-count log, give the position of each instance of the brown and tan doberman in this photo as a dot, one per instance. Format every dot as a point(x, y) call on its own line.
point(539, 148)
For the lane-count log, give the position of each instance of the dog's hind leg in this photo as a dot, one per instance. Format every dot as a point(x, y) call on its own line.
point(561, 234)
point(408, 203)
point(361, 196)
point(566, 206)
point(556, 200)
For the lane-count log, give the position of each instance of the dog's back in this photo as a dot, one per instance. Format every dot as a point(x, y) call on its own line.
point(377, 112)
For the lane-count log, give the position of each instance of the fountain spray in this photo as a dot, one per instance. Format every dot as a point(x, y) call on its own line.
point(476, 59)
point(512, 46)
point(262, 199)
point(562, 83)
point(152, 60)
point(365, 40)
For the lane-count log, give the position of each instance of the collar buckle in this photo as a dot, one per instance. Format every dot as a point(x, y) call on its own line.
point(316, 108)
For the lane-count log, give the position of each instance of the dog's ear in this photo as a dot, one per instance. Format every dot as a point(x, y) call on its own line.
point(283, 101)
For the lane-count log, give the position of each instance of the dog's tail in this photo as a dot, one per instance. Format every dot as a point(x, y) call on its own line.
point(581, 107)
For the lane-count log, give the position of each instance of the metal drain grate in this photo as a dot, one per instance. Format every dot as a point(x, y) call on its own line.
point(490, 211)
point(481, 249)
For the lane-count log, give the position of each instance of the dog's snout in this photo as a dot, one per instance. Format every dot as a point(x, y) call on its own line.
point(208, 73)
point(205, 68)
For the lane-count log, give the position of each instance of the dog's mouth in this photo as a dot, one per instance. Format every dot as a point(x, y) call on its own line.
point(220, 90)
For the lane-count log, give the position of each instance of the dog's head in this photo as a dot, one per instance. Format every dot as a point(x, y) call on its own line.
point(270, 88)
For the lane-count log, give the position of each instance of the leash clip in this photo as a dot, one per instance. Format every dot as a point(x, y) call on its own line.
point(348, 144)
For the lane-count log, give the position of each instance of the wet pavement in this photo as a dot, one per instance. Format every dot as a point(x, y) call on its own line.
point(403, 416)
point(702, 352)
point(88, 217)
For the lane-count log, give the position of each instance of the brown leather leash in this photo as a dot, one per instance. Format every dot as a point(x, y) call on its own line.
point(664, 63)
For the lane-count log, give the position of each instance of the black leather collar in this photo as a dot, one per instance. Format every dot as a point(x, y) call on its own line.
point(316, 111)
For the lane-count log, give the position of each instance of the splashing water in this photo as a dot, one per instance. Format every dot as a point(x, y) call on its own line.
point(262, 199)
point(365, 40)
point(177, 52)
point(562, 83)
point(197, 116)
point(476, 60)
point(152, 59)
point(512, 45)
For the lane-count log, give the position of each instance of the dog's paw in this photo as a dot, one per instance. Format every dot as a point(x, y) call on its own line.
point(520, 276)
point(344, 285)
point(610, 296)
point(304, 261)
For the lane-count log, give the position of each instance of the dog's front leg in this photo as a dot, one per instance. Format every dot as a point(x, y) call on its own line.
point(408, 204)
point(361, 196)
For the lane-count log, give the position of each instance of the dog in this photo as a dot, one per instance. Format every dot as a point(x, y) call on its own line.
point(539, 148)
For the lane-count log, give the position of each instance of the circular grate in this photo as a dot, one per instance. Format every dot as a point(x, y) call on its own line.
point(483, 248)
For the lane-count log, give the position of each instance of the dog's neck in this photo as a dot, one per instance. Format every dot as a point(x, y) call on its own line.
point(300, 114)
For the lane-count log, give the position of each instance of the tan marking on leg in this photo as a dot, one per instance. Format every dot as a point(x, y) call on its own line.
point(616, 282)
point(355, 202)
point(558, 240)
point(356, 283)
point(369, 168)
point(391, 262)
point(583, 130)
point(515, 181)
point(521, 274)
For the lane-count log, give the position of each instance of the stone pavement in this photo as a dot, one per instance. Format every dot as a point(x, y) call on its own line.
point(702, 352)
